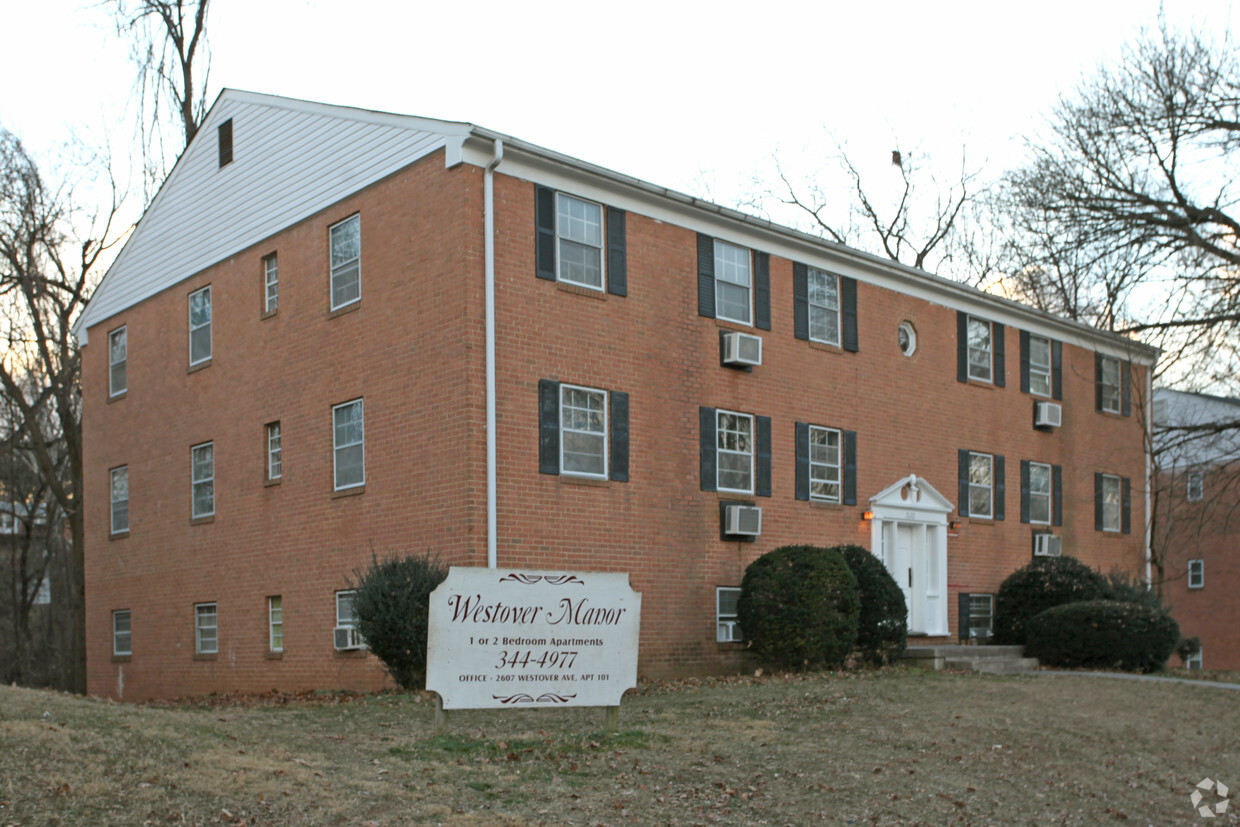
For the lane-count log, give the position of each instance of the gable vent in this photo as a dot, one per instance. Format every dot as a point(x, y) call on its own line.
point(226, 143)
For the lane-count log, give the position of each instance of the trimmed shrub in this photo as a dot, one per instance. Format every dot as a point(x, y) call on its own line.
point(1044, 583)
point(1103, 634)
point(799, 607)
point(882, 628)
point(392, 603)
point(1121, 586)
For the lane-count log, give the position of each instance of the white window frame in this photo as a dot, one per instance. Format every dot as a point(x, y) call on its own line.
point(1195, 485)
point(348, 621)
point(565, 430)
point(120, 365)
point(975, 462)
point(1196, 661)
point(275, 623)
point(1039, 370)
point(989, 600)
point(1046, 496)
point(271, 283)
point(205, 482)
point(727, 622)
point(562, 237)
point(1111, 391)
point(1196, 573)
point(275, 452)
point(820, 310)
point(1112, 509)
point(206, 619)
point(974, 323)
point(721, 265)
point(113, 475)
point(118, 634)
point(721, 451)
point(337, 447)
point(204, 326)
point(344, 268)
point(817, 465)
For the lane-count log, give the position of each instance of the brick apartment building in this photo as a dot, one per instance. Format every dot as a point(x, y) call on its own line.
point(287, 368)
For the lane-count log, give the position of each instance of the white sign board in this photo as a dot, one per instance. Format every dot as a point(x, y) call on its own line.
point(505, 638)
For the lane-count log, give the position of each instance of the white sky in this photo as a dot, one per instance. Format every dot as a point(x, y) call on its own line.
point(693, 96)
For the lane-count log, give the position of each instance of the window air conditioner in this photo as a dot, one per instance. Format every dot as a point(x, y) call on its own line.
point(730, 632)
point(742, 520)
point(348, 637)
point(742, 349)
point(1048, 415)
point(1047, 545)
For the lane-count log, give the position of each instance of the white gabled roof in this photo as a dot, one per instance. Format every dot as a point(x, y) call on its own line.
point(291, 159)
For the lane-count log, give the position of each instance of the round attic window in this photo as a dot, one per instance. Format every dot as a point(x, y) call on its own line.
point(906, 336)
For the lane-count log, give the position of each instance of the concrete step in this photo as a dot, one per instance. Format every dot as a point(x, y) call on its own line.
point(992, 665)
point(988, 659)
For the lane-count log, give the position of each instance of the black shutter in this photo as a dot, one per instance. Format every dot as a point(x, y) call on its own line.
point(544, 219)
point(962, 347)
point(1125, 375)
point(800, 301)
point(706, 277)
point(762, 483)
point(848, 313)
point(617, 254)
point(996, 343)
point(1125, 485)
point(850, 467)
point(802, 434)
point(1097, 502)
point(762, 290)
point(1097, 381)
point(707, 417)
point(619, 436)
point(963, 614)
point(1000, 488)
point(963, 491)
point(1024, 490)
point(548, 427)
point(1024, 361)
point(1057, 370)
point(1057, 495)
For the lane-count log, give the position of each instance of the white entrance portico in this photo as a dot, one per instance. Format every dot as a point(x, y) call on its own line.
point(909, 534)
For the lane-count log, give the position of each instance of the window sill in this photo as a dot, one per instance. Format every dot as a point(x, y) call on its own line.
point(210, 518)
point(349, 492)
point(117, 397)
point(824, 347)
point(206, 656)
point(206, 363)
point(827, 504)
point(122, 658)
point(728, 324)
point(349, 654)
point(988, 384)
point(268, 314)
point(269, 655)
point(119, 535)
point(581, 290)
point(981, 521)
point(592, 482)
point(348, 308)
point(730, 495)
point(272, 483)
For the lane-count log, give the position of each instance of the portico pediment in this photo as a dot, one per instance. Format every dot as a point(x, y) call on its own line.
point(912, 494)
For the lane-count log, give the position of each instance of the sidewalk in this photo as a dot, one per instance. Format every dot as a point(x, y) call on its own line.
point(1126, 676)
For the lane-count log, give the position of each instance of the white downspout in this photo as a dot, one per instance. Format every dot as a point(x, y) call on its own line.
point(488, 198)
point(1149, 475)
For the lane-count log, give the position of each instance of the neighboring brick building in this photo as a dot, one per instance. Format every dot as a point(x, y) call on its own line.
point(1197, 522)
point(286, 369)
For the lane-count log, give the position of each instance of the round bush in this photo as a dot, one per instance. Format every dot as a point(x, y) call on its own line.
point(391, 603)
point(1110, 634)
point(799, 607)
point(1046, 582)
point(882, 628)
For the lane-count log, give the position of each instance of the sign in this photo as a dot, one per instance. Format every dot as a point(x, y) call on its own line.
point(507, 638)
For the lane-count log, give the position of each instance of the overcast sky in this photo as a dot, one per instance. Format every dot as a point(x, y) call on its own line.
point(693, 96)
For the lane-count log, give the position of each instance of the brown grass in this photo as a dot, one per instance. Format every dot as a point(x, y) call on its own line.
point(893, 747)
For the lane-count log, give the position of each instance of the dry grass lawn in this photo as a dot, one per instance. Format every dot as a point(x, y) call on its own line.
point(892, 747)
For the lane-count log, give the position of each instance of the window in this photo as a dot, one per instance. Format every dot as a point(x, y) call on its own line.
point(726, 623)
point(345, 616)
point(200, 326)
point(579, 237)
point(580, 242)
point(1039, 366)
point(118, 359)
point(1039, 493)
point(979, 345)
point(1196, 574)
point(731, 282)
point(1109, 384)
point(734, 449)
point(583, 432)
point(1195, 660)
point(981, 616)
point(824, 307)
point(206, 629)
point(271, 284)
point(43, 594)
point(275, 464)
point(120, 499)
point(122, 634)
point(981, 485)
point(346, 261)
point(226, 142)
point(824, 464)
point(906, 338)
point(1110, 503)
point(1196, 486)
point(8, 523)
point(348, 443)
point(275, 623)
point(202, 460)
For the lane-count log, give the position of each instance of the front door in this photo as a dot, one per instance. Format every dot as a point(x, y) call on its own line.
point(908, 568)
point(910, 536)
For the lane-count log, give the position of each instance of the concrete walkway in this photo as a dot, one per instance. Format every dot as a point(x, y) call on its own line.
point(1126, 676)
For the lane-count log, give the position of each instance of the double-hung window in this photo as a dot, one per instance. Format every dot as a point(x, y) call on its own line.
point(1039, 493)
point(583, 432)
point(200, 326)
point(122, 633)
point(734, 450)
point(981, 485)
point(1196, 574)
point(118, 360)
point(346, 617)
point(579, 241)
point(1196, 486)
point(824, 306)
point(1109, 381)
point(275, 461)
point(981, 616)
point(275, 623)
point(979, 344)
point(732, 283)
point(1111, 503)
point(728, 627)
point(119, 488)
point(346, 261)
point(824, 464)
point(1040, 366)
point(202, 461)
point(271, 284)
point(348, 444)
point(1195, 660)
point(206, 629)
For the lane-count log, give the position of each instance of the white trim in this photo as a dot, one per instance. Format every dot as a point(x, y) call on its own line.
point(1197, 579)
point(272, 623)
point(726, 622)
point(207, 324)
point(839, 466)
point(989, 486)
point(749, 285)
point(356, 261)
point(350, 621)
point(989, 378)
point(116, 650)
point(1050, 493)
point(113, 502)
point(1119, 504)
point(719, 412)
point(602, 246)
point(915, 504)
point(271, 283)
point(838, 311)
point(604, 434)
point(122, 331)
point(336, 448)
point(1049, 373)
point(1118, 386)
point(1195, 486)
point(275, 456)
point(195, 481)
point(200, 610)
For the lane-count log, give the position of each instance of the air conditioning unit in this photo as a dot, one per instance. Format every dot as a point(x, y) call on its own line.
point(1047, 415)
point(742, 520)
point(348, 637)
point(742, 349)
point(1047, 545)
point(730, 632)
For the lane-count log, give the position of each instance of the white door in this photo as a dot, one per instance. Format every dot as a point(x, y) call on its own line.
point(912, 575)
